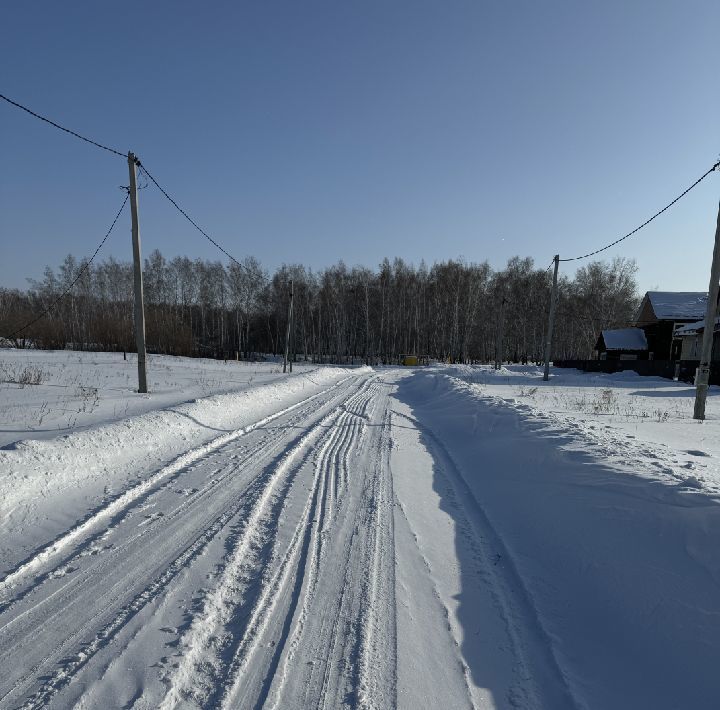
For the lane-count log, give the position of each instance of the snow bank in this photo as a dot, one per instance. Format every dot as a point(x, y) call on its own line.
point(619, 566)
point(45, 485)
point(45, 393)
point(646, 422)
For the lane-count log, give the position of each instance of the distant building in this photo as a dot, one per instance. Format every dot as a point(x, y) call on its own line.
point(690, 339)
point(661, 312)
point(622, 344)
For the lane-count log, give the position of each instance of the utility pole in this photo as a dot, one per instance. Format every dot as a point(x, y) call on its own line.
point(702, 376)
point(139, 305)
point(551, 320)
point(499, 341)
point(287, 332)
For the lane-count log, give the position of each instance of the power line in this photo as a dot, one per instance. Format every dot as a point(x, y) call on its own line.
point(644, 224)
point(62, 128)
point(233, 259)
point(187, 216)
point(83, 269)
point(138, 163)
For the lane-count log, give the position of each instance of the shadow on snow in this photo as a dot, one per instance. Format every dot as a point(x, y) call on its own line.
point(608, 582)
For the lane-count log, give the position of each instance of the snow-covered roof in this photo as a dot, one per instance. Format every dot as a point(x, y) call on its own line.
point(678, 305)
point(625, 339)
point(697, 327)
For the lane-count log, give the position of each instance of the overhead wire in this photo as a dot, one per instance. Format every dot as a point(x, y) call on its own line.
point(187, 216)
point(143, 169)
point(83, 269)
point(644, 224)
point(233, 259)
point(62, 128)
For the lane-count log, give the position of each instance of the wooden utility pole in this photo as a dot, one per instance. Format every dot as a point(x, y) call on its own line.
point(137, 264)
point(702, 376)
point(287, 332)
point(551, 319)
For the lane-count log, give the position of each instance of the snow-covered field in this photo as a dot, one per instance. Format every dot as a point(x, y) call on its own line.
point(644, 422)
point(416, 538)
point(79, 389)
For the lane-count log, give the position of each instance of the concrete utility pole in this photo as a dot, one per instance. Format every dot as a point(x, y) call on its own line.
point(702, 376)
point(551, 320)
point(137, 263)
point(288, 331)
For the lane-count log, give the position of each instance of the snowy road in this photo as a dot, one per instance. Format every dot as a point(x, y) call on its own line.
point(357, 548)
point(219, 581)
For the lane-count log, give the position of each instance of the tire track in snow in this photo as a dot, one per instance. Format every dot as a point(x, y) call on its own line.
point(121, 503)
point(303, 564)
point(332, 453)
point(75, 662)
point(379, 627)
point(87, 546)
point(303, 567)
point(341, 618)
point(331, 627)
point(288, 591)
point(264, 447)
point(73, 665)
point(221, 606)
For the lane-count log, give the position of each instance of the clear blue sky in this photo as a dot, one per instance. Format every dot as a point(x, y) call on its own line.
point(316, 131)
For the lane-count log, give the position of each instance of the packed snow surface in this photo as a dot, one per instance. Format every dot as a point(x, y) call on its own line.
point(447, 536)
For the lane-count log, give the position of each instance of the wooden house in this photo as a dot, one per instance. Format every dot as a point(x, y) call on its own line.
point(622, 344)
point(660, 314)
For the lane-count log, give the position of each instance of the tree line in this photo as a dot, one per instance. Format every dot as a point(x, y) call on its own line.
point(448, 311)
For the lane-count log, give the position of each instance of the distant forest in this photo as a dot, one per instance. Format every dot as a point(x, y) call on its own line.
point(448, 311)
